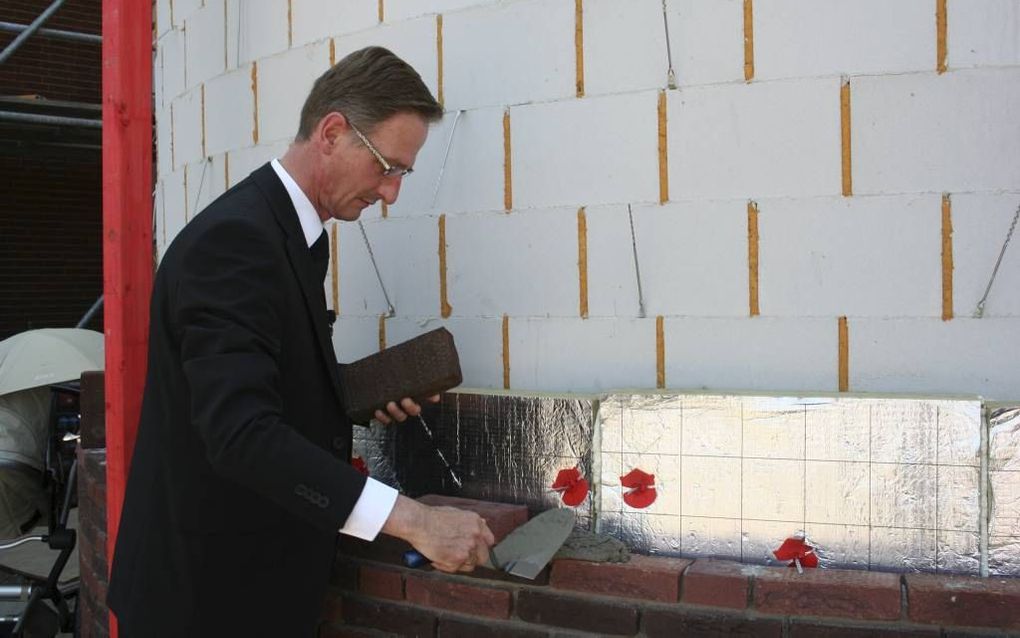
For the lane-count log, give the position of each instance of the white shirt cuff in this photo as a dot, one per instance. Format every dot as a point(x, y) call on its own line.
point(371, 511)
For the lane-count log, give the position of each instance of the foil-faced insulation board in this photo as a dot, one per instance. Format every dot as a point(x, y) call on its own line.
point(885, 483)
point(498, 447)
point(1004, 490)
point(901, 484)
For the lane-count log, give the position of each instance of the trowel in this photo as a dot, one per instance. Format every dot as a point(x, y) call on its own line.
point(526, 550)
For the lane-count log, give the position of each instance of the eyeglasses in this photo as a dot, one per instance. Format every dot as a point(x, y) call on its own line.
point(388, 169)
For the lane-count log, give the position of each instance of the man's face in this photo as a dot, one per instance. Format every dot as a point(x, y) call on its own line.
point(352, 176)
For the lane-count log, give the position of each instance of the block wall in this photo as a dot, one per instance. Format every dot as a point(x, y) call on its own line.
point(721, 194)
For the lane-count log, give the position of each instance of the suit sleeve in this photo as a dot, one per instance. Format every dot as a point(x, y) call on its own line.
point(229, 316)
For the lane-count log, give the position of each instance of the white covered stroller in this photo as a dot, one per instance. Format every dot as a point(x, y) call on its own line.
point(24, 425)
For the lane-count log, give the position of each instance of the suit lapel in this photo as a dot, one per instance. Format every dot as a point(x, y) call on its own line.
point(300, 258)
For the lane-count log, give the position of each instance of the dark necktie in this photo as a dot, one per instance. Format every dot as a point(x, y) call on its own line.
point(320, 258)
point(320, 263)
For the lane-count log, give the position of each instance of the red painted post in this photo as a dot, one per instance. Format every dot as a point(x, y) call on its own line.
point(127, 235)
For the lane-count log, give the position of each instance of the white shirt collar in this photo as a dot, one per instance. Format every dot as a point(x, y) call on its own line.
point(311, 225)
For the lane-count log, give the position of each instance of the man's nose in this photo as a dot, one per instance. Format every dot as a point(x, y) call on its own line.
point(389, 188)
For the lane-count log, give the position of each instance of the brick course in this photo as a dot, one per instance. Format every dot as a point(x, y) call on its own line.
point(643, 577)
point(800, 629)
point(574, 612)
point(685, 623)
point(468, 599)
point(381, 583)
point(846, 594)
point(716, 583)
point(450, 627)
point(391, 617)
point(993, 602)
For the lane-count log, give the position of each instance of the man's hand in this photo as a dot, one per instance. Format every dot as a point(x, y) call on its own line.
point(454, 540)
point(408, 407)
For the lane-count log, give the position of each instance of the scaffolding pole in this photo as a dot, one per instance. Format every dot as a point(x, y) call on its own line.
point(32, 28)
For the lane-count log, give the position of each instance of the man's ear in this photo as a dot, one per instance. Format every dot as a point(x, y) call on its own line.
point(330, 128)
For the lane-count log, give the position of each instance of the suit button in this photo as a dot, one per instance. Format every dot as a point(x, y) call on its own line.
point(339, 443)
point(301, 490)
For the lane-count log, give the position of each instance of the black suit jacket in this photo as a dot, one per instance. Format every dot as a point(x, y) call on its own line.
point(240, 477)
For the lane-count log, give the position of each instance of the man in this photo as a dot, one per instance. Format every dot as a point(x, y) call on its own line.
point(240, 478)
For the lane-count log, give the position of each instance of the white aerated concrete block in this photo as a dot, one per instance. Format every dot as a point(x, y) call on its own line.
point(360, 293)
point(612, 280)
point(205, 183)
point(186, 112)
point(832, 37)
point(171, 61)
point(355, 337)
point(624, 46)
point(413, 40)
point(204, 45)
point(857, 256)
point(229, 111)
point(406, 252)
point(473, 177)
point(983, 33)
point(163, 22)
point(756, 353)
point(243, 161)
point(581, 355)
point(157, 77)
point(930, 356)
point(181, 10)
point(707, 40)
point(318, 19)
point(692, 258)
point(283, 84)
point(755, 140)
point(254, 29)
point(980, 225)
point(159, 221)
point(479, 345)
point(396, 10)
point(164, 142)
point(522, 263)
point(585, 152)
point(509, 54)
point(951, 133)
point(174, 205)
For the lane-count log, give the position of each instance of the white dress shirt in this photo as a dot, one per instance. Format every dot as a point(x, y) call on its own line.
point(377, 499)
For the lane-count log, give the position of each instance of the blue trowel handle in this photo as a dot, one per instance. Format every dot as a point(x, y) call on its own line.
point(415, 559)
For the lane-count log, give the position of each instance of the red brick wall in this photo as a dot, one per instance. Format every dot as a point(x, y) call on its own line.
point(54, 69)
point(92, 542)
point(92, 508)
point(51, 259)
point(658, 597)
point(50, 207)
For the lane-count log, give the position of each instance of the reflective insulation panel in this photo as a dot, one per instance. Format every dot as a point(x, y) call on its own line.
point(496, 447)
point(885, 483)
point(1004, 490)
